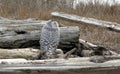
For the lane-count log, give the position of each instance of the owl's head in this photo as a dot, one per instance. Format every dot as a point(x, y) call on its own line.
point(52, 24)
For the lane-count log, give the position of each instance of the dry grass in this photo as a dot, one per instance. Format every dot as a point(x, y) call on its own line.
point(40, 10)
point(93, 34)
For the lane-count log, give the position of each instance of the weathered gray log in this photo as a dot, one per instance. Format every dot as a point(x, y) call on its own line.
point(69, 36)
point(56, 65)
point(108, 25)
point(13, 28)
point(98, 68)
point(20, 21)
point(70, 61)
point(24, 27)
point(26, 53)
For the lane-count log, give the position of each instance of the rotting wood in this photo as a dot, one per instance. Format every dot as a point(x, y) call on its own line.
point(91, 21)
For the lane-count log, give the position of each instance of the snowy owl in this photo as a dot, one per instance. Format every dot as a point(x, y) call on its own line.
point(50, 37)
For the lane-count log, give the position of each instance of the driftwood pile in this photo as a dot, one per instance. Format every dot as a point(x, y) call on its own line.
point(90, 49)
point(20, 39)
point(26, 33)
point(19, 34)
point(16, 34)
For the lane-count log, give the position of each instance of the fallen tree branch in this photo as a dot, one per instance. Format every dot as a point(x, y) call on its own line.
point(87, 43)
point(108, 25)
point(67, 54)
point(96, 48)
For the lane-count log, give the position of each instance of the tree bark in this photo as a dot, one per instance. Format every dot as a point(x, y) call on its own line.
point(107, 25)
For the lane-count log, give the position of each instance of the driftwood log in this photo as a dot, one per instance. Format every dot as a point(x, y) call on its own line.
point(14, 21)
point(21, 25)
point(15, 38)
point(107, 25)
point(11, 29)
point(26, 53)
point(27, 34)
point(69, 61)
point(56, 66)
point(98, 68)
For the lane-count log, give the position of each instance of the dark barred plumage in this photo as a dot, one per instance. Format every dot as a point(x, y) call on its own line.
point(50, 37)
